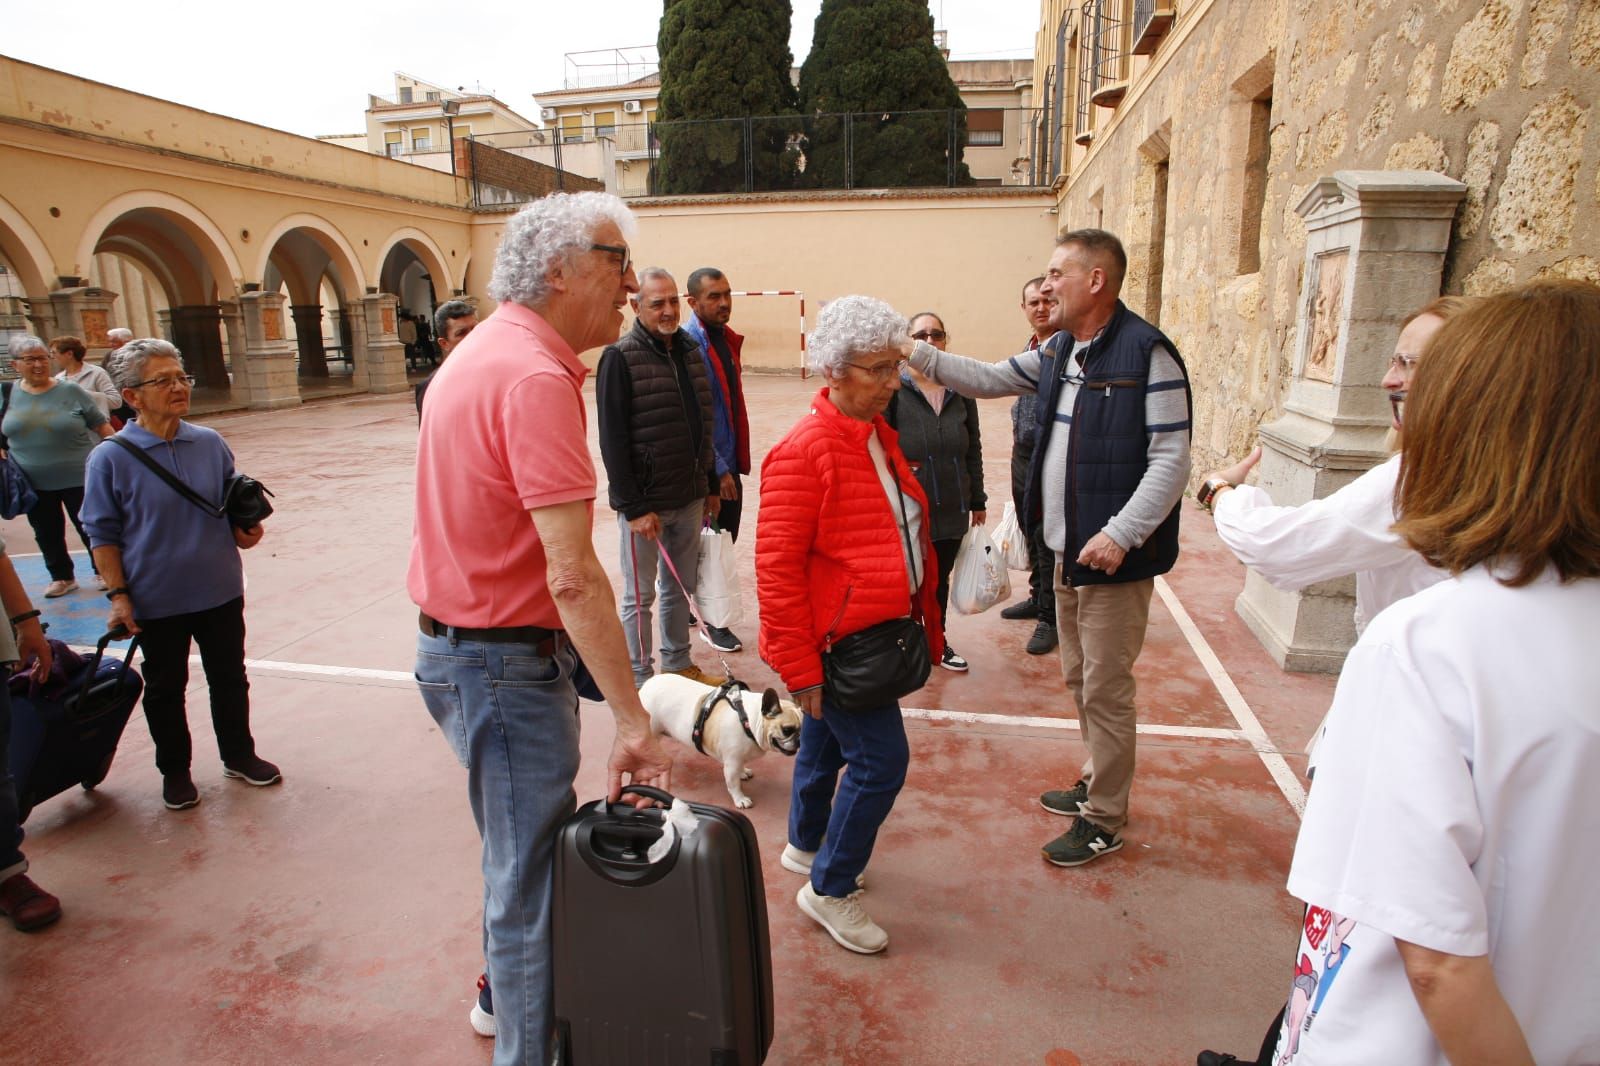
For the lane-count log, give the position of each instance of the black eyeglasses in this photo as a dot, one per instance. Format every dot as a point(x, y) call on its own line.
point(932, 336)
point(618, 250)
point(186, 380)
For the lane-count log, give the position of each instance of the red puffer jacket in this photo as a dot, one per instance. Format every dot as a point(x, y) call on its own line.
point(829, 560)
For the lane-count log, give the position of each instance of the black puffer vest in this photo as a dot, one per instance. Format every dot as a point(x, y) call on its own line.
point(1107, 456)
point(671, 451)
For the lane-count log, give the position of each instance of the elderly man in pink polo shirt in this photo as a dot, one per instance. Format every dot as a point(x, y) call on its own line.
point(513, 597)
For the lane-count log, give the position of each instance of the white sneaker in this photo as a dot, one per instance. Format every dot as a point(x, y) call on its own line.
point(799, 862)
point(845, 919)
point(99, 582)
point(60, 588)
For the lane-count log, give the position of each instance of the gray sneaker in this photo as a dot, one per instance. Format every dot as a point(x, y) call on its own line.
point(845, 919)
point(1068, 801)
point(1082, 843)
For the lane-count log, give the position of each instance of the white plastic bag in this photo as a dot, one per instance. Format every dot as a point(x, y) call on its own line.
point(1011, 541)
point(716, 592)
point(979, 580)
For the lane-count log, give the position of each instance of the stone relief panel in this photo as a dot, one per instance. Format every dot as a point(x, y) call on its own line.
point(1327, 316)
point(388, 320)
point(272, 323)
point(94, 329)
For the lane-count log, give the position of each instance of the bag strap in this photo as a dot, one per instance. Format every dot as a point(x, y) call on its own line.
point(5, 387)
point(166, 475)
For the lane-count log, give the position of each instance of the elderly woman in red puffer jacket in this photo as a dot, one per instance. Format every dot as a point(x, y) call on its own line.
point(842, 544)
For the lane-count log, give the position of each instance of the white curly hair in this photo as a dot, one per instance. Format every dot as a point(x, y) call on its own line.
point(850, 327)
point(127, 364)
point(549, 233)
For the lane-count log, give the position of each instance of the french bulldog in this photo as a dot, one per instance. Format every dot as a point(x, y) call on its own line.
point(675, 702)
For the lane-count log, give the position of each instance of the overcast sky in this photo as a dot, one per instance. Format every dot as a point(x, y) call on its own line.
point(306, 67)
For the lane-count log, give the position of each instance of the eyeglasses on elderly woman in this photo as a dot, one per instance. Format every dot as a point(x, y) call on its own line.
point(881, 371)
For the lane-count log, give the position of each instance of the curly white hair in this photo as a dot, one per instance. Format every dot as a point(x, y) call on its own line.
point(549, 233)
point(127, 364)
point(849, 327)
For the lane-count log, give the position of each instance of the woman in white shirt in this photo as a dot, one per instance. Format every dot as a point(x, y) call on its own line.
point(68, 353)
point(1452, 843)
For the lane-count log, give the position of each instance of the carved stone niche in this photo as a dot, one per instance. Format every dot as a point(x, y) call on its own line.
point(1375, 250)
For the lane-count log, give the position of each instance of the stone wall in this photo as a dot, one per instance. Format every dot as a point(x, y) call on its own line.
point(1496, 93)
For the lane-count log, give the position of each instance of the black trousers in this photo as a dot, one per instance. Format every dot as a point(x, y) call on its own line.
point(219, 632)
point(50, 528)
point(732, 510)
point(946, 550)
point(1041, 560)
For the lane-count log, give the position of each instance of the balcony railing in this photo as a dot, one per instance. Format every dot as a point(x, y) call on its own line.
point(1110, 51)
point(1151, 21)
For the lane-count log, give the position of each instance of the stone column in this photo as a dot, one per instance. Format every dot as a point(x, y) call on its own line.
point(308, 335)
point(353, 328)
point(197, 331)
point(82, 311)
point(233, 326)
point(1375, 250)
point(41, 315)
point(385, 357)
point(164, 322)
point(341, 322)
point(269, 376)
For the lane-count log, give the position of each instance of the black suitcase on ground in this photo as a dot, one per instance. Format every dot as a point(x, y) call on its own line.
point(60, 742)
point(665, 964)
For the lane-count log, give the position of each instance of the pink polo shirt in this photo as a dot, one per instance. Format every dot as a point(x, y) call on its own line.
point(504, 431)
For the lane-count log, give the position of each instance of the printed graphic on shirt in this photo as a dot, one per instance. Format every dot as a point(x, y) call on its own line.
point(1323, 950)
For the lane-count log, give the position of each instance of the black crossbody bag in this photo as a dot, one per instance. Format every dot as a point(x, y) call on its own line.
point(881, 663)
point(244, 499)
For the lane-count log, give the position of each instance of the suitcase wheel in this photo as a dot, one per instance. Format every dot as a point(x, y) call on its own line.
point(99, 774)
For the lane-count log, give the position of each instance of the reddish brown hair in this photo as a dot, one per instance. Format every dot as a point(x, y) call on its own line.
point(71, 344)
point(1501, 460)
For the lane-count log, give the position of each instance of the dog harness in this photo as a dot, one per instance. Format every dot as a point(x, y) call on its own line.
point(728, 692)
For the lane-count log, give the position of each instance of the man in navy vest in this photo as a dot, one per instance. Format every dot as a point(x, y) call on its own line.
point(1106, 480)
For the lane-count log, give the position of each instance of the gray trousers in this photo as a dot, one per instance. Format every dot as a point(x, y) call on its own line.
point(644, 579)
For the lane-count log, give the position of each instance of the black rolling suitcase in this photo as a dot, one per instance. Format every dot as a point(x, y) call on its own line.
point(65, 732)
point(664, 964)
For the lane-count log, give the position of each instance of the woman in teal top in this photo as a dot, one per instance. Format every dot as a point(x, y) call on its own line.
point(49, 428)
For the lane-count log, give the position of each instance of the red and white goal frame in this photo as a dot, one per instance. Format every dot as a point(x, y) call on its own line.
point(804, 372)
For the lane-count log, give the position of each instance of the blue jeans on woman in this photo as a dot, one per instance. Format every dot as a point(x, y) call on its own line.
point(842, 827)
point(511, 717)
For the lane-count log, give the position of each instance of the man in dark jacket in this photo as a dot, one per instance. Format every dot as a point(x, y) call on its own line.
point(711, 300)
point(1041, 601)
point(655, 438)
point(1108, 474)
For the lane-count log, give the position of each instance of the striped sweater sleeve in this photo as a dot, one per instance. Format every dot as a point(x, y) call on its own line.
point(1166, 418)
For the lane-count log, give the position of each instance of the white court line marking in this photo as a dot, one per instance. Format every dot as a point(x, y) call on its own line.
point(974, 718)
point(1249, 725)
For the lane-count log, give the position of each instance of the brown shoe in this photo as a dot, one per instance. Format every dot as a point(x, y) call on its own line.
point(29, 906)
point(694, 673)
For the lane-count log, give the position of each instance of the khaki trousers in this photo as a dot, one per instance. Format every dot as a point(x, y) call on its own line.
point(1102, 632)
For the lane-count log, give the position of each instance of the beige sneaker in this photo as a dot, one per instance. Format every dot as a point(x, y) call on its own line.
point(845, 919)
point(60, 588)
point(799, 862)
point(694, 673)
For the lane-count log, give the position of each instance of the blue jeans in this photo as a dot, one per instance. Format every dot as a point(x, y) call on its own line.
point(870, 746)
point(511, 717)
point(644, 579)
point(11, 860)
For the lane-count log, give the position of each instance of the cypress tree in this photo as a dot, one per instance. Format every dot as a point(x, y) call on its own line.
point(876, 59)
point(724, 75)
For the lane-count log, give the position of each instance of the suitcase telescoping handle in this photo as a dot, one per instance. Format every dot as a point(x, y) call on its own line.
point(119, 633)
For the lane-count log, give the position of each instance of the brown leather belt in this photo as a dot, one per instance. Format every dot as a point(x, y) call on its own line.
point(544, 641)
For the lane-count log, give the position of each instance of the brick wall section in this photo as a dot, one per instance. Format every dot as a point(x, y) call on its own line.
point(492, 166)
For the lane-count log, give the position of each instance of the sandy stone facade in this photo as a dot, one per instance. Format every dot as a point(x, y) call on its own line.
point(1244, 105)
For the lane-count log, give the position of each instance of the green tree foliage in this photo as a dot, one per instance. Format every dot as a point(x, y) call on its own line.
point(724, 69)
point(876, 60)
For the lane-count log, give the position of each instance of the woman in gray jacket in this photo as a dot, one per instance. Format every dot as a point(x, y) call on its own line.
point(939, 436)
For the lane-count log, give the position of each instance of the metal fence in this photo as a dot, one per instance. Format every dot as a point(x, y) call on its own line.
point(849, 150)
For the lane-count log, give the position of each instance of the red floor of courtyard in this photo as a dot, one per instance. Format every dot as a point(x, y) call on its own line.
point(336, 918)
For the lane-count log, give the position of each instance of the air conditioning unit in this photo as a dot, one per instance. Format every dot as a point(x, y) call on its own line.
point(632, 107)
point(547, 113)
